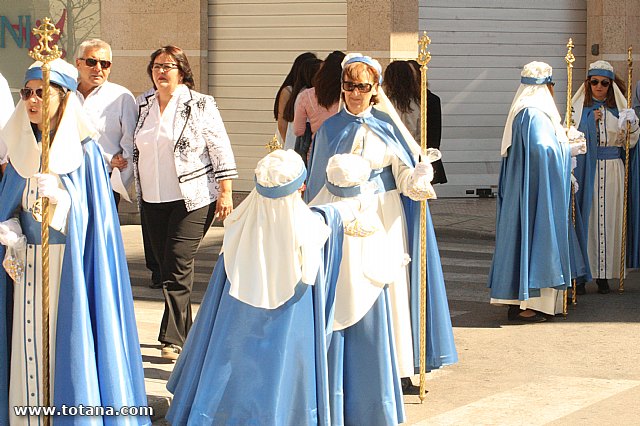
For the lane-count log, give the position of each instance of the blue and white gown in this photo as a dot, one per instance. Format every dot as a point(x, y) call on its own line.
point(531, 260)
point(600, 174)
point(373, 136)
point(363, 374)
point(245, 365)
point(26, 347)
point(94, 348)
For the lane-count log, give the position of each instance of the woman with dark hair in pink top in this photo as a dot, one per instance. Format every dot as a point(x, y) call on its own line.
point(320, 102)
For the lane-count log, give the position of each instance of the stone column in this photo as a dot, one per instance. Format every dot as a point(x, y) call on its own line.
point(613, 26)
point(383, 29)
point(134, 29)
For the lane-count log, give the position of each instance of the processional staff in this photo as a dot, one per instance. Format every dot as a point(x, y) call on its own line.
point(45, 54)
point(570, 59)
point(424, 56)
point(623, 248)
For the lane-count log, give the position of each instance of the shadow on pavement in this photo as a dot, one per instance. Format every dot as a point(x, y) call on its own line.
point(590, 308)
point(156, 373)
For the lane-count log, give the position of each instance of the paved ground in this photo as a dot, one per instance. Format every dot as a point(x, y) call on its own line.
point(582, 370)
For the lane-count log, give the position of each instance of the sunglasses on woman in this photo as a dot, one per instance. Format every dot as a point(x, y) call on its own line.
point(594, 82)
point(350, 86)
point(26, 93)
point(93, 62)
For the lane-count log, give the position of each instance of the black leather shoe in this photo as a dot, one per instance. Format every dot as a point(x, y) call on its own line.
point(406, 383)
point(155, 285)
point(408, 388)
point(580, 289)
point(603, 286)
point(515, 314)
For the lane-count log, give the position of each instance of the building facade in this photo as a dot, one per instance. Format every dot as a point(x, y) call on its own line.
point(240, 51)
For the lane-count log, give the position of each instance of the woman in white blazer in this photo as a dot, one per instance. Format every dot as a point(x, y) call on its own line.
point(183, 166)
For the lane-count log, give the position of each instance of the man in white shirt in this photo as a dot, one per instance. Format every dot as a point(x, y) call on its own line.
point(6, 109)
point(112, 109)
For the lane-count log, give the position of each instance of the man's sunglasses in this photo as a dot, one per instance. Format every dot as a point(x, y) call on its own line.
point(93, 62)
point(26, 93)
point(594, 82)
point(350, 86)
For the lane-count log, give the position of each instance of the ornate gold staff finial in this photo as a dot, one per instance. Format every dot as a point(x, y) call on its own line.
point(424, 56)
point(273, 144)
point(570, 59)
point(45, 53)
point(623, 251)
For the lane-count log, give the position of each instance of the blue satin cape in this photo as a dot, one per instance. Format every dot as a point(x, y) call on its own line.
point(363, 375)
point(585, 174)
point(532, 220)
point(98, 361)
point(336, 136)
point(243, 365)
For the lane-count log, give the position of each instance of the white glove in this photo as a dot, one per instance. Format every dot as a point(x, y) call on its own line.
point(10, 232)
point(577, 141)
point(420, 188)
point(574, 182)
point(423, 171)
point(575, 135)
point(48, 187)
point(627, 115)
point(578, 148)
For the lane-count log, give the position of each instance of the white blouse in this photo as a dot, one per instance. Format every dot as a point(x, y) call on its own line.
point(158, 176)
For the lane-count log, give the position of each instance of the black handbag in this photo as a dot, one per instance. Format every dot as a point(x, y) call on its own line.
point(303, 143)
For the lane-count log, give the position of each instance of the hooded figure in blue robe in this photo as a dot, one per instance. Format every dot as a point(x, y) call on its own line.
point(266, 316)
point(377, 134)
point(531, 264)
point(601, 113)
point(95, 356)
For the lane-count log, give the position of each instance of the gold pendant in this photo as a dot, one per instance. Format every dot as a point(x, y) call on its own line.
point(36, 210)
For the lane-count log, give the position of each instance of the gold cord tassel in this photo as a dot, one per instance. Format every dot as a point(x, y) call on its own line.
point(623, 248)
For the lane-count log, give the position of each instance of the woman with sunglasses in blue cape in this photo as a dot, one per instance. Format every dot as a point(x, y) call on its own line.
point(601, 113)
point(95, 356)
point(368, 125)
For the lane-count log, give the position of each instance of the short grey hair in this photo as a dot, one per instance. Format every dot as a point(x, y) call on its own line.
point(94, 43)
